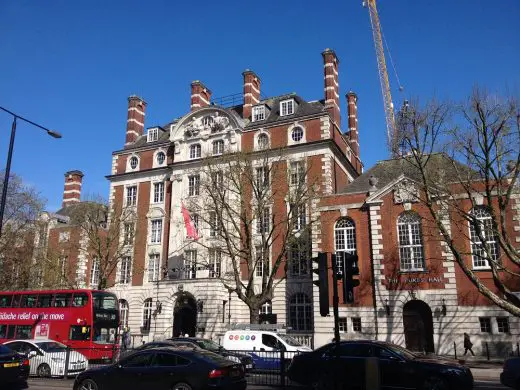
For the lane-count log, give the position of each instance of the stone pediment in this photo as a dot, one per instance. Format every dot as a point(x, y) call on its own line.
point(404, 190)
point(202, 124)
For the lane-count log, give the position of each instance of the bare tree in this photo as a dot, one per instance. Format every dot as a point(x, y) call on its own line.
point(23, 205)
point(106, 237)
point(466, 160)
point(241, 195)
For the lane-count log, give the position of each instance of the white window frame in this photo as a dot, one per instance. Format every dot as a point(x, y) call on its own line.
point(147, 312)
point(262, 256)
point(64, 236)
point(217, 179)
point(299, 259)
point(266, 308)
point(344, 239)
point(287, 107)
point(215, 262)
point(343, 324)
point(156, 158)
point(124, 310)
point(354, 320)
point(190, 264)
point(262, 177)
point(299, 216)
point(218, 147)
point(94, 273)
point(259, 145)
point(193, 185)
point(214, 227)
point(128, 233)
point(130, 159)
point(297, 174)
point(293, 132)
point(125, 270)
point(263, 221)
point(409, 224)
point(156, 227)
point(153, 134)
point(154, 265)
point(158, 192)
point(131, 198)
point(195, 151)
point(258, 113)
point(196, 222)
point(479, 262)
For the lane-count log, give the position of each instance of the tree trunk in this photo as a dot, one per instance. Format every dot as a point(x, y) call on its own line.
point(254, 315)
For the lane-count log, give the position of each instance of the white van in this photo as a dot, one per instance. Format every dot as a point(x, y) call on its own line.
point(265, 347)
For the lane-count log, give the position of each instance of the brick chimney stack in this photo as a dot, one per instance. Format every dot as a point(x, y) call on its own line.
point(353, 121)
point(200, 95)
point(330, 71)
point(72, 190)
point(135, 122)
point(251, 92)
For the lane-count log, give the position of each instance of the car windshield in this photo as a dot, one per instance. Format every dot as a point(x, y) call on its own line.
point(402, 352)
point(290, 340)
point(51, 346)
point(209, 345)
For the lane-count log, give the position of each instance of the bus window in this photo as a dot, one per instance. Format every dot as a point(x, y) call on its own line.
point(29, 300)
point(44, 300)
point(5, 300)
point(104, 335)
point(23, 332)
point(78, 332)
point(10, 332)
point(16, 300)
point(62, 300)
point(79, 300)
point(104, 301)
point(3, 331)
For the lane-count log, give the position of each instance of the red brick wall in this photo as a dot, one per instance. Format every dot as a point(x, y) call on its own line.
point(139, 261)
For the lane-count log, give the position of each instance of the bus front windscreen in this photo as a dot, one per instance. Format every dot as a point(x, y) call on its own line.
point(106, 317)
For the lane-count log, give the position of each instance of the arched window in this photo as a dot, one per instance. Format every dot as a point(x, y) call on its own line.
point(300, 313)
point(263, 141)
point(344, 239)
point(482, 218)
point(123, 313)
point(411, 251)
point(147, 314)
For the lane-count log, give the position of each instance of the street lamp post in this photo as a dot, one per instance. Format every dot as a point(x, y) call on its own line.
point(7, 173)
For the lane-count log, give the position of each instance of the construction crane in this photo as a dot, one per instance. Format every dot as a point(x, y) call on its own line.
point(383, 76)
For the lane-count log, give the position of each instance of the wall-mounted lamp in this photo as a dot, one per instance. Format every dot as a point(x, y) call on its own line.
point(443, 307)
point(387, 307)
point(158, 308)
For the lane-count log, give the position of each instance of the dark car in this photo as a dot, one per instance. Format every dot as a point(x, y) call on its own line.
point(352, 363)
point(165, 368)
point(211, 346)
point(150, 345)
point(14, 367)
point(510, 375)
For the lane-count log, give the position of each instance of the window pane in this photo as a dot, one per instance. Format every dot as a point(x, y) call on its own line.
point(165, 360)
point(80, 299)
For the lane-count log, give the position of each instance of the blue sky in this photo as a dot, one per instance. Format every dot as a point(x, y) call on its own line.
point(70, 65)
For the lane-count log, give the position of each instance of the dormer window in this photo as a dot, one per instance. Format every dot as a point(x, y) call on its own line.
point(258, 113)
point(287, 107)
point(195, 151)
point(153, 134)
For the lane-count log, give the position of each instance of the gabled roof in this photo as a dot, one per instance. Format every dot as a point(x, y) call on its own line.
point(388, 171)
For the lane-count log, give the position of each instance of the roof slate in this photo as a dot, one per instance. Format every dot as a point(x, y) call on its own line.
point(387, 171)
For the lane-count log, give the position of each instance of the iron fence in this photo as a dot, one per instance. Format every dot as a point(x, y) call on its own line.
point(265, 368)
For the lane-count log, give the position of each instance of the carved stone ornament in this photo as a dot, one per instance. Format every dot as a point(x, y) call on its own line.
point(211, 123)
point(405, 192)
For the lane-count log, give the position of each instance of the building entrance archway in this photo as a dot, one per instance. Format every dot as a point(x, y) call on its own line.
point(185, 315)
point(418, 326)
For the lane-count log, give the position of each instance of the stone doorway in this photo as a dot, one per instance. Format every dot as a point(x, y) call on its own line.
point(185, 315)
point(418, 326)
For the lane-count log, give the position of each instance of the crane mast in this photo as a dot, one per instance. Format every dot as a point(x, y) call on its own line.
point(383, 75)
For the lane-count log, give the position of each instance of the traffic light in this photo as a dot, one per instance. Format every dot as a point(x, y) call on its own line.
point(322, 282)
point(350, 269)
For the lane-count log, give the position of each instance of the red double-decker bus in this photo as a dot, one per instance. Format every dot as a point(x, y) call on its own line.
point(85, 320)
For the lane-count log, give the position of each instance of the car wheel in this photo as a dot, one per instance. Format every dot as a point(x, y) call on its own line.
point(88, 384)
point(43, 371)
point(181, 386)
point(434, 383)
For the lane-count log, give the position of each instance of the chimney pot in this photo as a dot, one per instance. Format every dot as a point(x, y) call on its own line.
point(353, 128)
